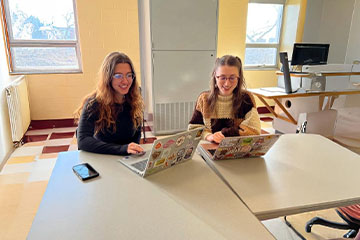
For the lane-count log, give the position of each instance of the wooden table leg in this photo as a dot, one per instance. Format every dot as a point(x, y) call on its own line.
point(289, 118)
point(268, 106)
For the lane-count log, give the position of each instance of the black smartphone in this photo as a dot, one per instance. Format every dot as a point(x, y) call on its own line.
point(85, 171)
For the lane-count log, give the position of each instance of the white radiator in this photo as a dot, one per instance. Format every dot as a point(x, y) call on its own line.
point(19, 109)
point(172, 117)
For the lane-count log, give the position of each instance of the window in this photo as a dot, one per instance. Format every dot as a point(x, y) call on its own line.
point(41, 36)
point(263, 34)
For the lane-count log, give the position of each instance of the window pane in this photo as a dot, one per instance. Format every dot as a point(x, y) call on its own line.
point(45, 58)
point(260, 56)
point(42, 19)
point(263, 23)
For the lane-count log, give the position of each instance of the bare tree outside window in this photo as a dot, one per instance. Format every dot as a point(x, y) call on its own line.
point(42, 36)
point(263, 34)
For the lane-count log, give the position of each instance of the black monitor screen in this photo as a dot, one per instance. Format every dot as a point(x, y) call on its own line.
point(310, 54)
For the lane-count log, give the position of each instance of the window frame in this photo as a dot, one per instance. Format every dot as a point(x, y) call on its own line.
point(10, 42)
point(266, 45)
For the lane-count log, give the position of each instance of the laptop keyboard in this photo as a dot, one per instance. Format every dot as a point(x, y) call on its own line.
point(140, 165)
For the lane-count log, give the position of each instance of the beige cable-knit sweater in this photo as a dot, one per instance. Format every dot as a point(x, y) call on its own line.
point(246, 122)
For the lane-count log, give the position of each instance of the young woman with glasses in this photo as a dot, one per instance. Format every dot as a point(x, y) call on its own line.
point(111, 116)
point(227, 109)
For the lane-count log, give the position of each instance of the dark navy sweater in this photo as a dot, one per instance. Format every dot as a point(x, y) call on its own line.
point(107, 142)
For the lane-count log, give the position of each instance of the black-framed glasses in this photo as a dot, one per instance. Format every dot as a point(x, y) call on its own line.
point(223, 78)
point(128, 76)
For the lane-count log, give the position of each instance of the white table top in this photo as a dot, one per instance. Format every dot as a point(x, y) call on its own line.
point(277, 92)
point(187, 201)
point(301, 172)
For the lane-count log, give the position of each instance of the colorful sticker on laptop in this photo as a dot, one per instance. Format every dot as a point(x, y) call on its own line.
point(180, 140)
point(190, 143)
point(245, 148)
point(246, 141)
point(198, 133)
point(188, 153)
point(180, 155)
point(233, 149)
point(171, 157)
point(150, 171)
point(220, 154)
point(258, 143)
point(180, 152)
point(158, 145)
point(229, 142)
point(257, 147)
point(165, 153)
point(169, 143)
point(159, 162)
point(150, 164)
point(155, 155)
point(239, 155)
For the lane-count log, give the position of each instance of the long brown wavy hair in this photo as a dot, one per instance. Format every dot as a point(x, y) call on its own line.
point(104, 95)
point(238, 92)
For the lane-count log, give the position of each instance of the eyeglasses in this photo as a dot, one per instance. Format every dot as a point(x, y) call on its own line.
point(223, 78)
point(128, 76)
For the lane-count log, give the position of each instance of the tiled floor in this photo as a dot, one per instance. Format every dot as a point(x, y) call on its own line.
point(24, 178)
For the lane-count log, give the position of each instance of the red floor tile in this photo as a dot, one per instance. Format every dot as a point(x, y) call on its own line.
point(262, 110)
point(54, 123)
point(62, 135)
point(35, 138)
point(55, 149)
point(266, 119)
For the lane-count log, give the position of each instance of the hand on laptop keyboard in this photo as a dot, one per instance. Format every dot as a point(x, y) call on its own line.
point(140, 153)
point(134, 148)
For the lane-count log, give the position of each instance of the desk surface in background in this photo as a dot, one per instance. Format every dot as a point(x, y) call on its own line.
point(300, 173)
point(274, 93)
point(187, 201)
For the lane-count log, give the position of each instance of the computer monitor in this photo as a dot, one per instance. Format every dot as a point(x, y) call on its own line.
point(310, 54)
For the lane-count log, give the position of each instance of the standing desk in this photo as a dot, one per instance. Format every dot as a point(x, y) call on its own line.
point(265, 94)
point(300, 173)
point(187, 201)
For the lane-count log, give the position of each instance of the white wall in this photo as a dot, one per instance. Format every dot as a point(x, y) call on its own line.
point(353, 49)
point(329, 21)
point(5, 132)
point(313, 16)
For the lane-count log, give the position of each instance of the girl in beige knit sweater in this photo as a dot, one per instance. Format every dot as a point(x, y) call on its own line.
point(227, 109)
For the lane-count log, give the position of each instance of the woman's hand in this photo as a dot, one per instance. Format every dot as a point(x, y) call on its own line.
point(134, 148)
point(216, 137)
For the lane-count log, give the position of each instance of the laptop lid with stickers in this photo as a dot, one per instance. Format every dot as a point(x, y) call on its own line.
point(165, 153)
point(239, 147)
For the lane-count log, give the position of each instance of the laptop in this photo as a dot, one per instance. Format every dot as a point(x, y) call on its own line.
point(164, 153)
point(238, 147)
